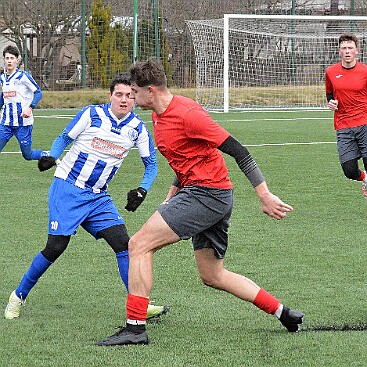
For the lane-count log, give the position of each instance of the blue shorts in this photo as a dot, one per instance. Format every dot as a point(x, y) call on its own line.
point(70, 206)
point(22, 133)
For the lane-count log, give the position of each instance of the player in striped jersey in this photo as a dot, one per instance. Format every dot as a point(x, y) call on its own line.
point(101, 137)
point(20, 95)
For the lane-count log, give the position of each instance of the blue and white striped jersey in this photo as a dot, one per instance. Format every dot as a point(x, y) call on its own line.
point(101, 143)
point(18, 93)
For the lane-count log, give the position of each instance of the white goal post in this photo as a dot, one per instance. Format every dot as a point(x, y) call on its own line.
point(268, 61)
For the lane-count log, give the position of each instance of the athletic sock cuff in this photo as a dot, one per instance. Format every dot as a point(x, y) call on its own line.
point(136, 307)
point(266, 302)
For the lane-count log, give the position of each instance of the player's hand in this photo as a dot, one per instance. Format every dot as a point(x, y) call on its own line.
point(27, 112)
point(274, 207)
point(46, 162)
point(333, 104)
point(135, 198)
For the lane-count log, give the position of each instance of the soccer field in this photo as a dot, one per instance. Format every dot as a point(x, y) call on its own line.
point(314, 260)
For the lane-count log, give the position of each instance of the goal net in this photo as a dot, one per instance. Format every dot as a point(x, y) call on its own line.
point(268, 61)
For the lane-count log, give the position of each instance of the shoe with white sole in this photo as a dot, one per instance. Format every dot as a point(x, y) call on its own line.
point(12, 310)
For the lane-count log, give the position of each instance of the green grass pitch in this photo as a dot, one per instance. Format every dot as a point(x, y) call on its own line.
point(314, 260)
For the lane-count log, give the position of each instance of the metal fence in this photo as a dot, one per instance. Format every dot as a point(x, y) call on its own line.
point(82, 43)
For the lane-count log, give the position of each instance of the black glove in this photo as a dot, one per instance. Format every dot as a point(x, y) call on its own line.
point(135, 198)
point(46, 162)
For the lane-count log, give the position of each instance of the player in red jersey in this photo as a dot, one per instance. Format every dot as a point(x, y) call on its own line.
point(198, 205)
point(346, 93)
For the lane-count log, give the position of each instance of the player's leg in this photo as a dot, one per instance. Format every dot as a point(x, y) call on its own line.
point(116, 236)
point(154, 235)
point(2, 144)
point(174, 220)
point(351, 170)
point(213, 274)
point(362, 144)
point(55, 246)
point(352, 143)
point(5, 135)
point(66, 211)
point(24, 137)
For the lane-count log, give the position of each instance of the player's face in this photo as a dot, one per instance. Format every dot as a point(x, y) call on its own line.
point(121, 100)
point(142, 96)
point(348, 52)
point(10, 62)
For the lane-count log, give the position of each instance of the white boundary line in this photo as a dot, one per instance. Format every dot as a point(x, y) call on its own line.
point(250, 145)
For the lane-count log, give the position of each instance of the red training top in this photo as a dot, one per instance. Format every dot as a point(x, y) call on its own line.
point(188, 138)
point(349, 87)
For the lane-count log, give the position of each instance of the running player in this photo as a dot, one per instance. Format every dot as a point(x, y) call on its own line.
point(20, 95)
point(346, 93)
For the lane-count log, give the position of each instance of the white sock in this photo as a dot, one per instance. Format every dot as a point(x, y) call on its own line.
point(279, 311)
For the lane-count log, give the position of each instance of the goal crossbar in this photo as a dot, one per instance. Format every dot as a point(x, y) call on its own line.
point(254, 61)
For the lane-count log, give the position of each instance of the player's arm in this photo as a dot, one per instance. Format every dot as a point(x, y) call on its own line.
point(247, 164)
point(1, 100)
point(332, 102)
point(37, 95)
point(57, 148)
point(175, 187)
point(270, 204)
point(136, 196)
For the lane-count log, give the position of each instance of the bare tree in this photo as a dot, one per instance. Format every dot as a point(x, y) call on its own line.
point(40, 28)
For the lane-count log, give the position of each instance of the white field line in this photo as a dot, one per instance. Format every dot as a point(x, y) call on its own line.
point(282, 119)
point(240, 120)
point(248, 145)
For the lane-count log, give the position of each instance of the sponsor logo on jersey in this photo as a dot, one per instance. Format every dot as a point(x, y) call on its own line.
point(10, 94)
point(338, 76)
point(108, 147)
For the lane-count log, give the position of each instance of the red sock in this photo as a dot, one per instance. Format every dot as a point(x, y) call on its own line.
point(266, 302)
point(362, 176)
point(136, 307)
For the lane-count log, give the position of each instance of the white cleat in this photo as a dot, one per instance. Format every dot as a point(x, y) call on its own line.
point(12, 310)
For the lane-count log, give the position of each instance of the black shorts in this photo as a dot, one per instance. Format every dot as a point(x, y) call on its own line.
point(200, 213)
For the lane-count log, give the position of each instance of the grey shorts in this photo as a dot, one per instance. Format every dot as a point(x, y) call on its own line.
point(352, 143)
point(200, 213)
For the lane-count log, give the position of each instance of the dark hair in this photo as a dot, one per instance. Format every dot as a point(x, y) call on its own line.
point(150, 72)
point(348, 37)
point(11, 50)
point(123, 78)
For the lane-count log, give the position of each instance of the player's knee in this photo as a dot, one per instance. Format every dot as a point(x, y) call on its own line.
point(351, 174)
point(55, 246)
point(208, 280)
point(351, 170)
point(137, 247)
point(116, 236)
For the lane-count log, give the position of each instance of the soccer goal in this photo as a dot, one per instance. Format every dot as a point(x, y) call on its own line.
point(268, 61)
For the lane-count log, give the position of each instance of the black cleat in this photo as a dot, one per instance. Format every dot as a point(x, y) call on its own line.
point(125, 335)
point(291, 319)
